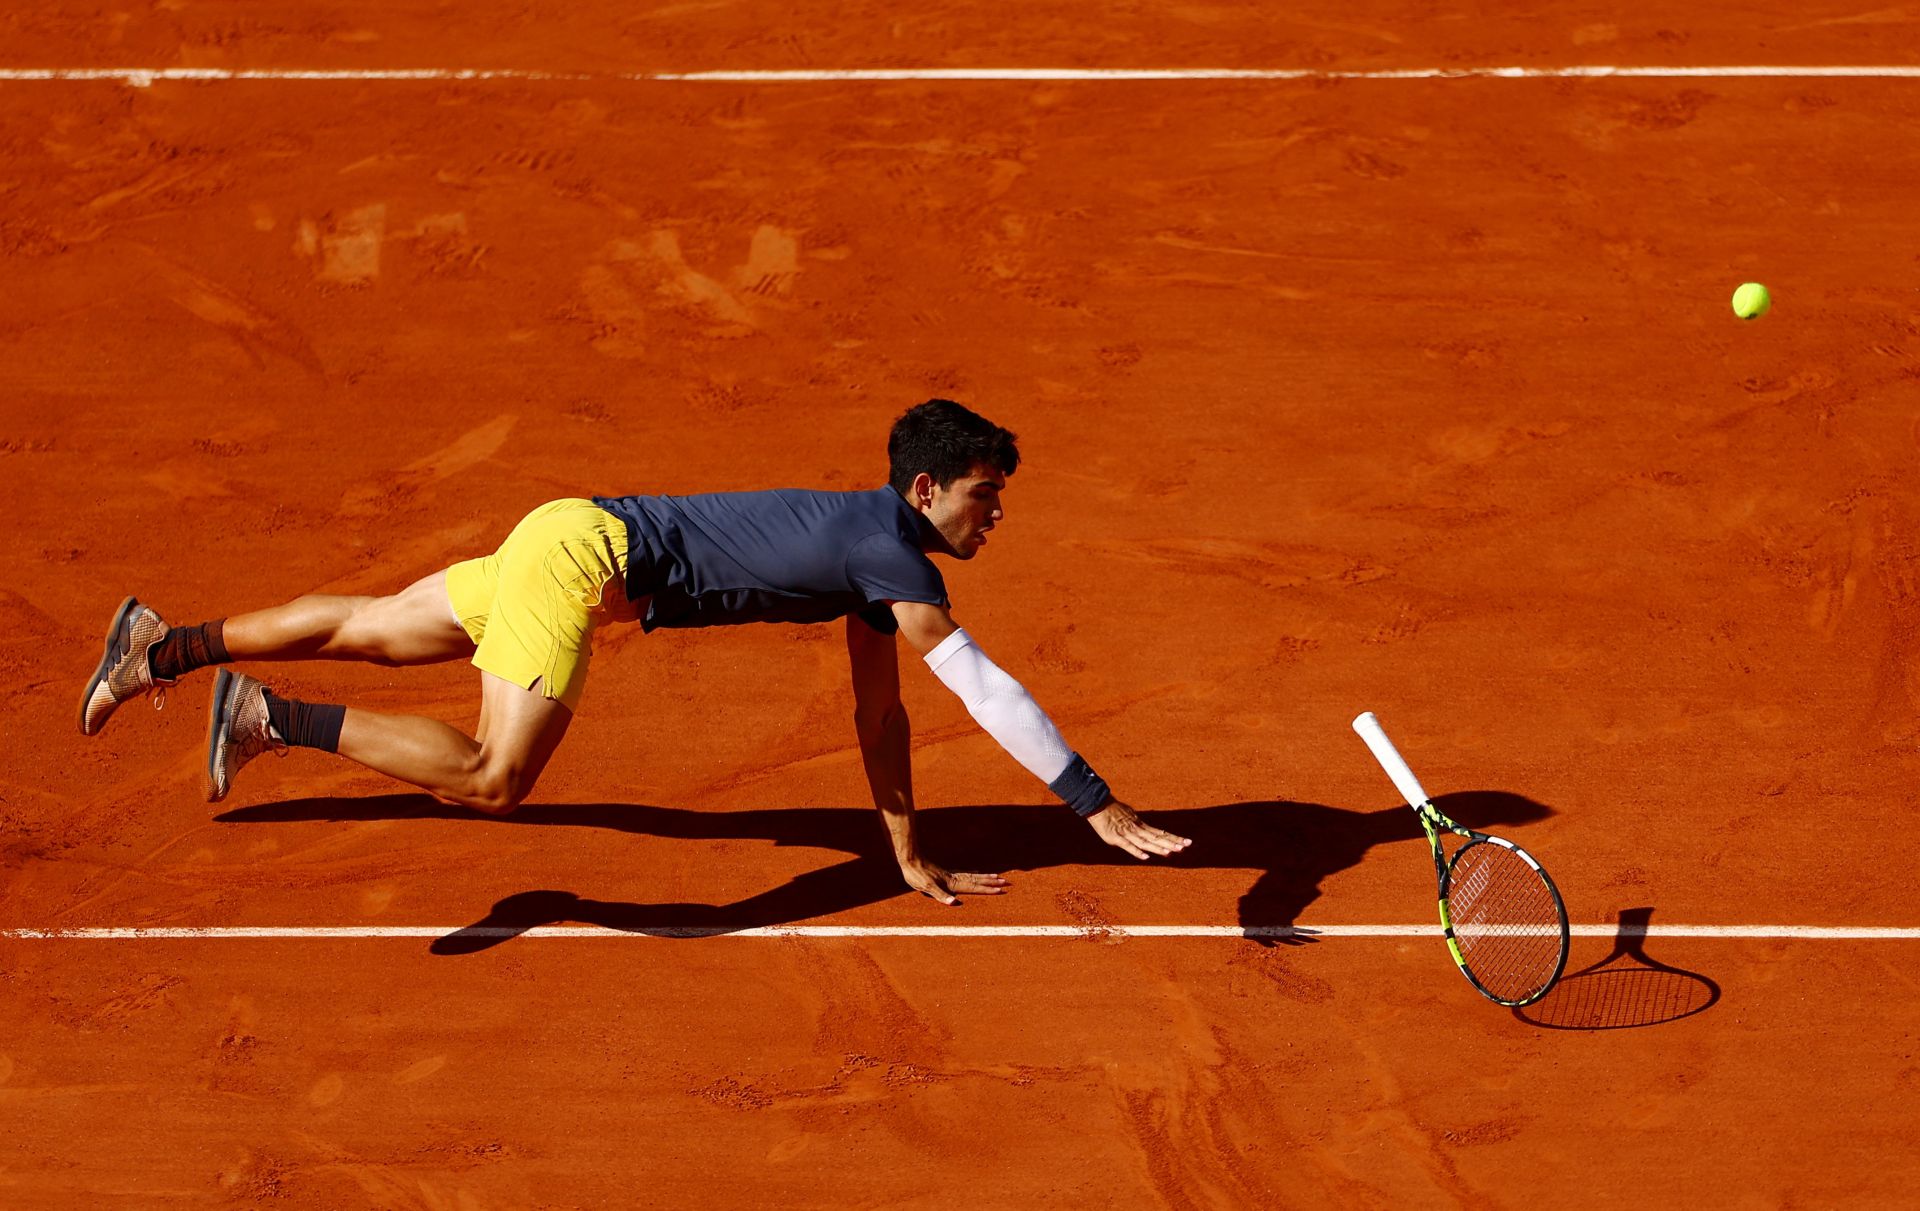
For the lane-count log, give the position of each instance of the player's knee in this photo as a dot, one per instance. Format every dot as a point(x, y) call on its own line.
point(496, 791)
point(493, 802)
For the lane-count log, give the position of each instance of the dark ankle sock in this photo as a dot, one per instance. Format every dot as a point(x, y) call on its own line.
point(306, 724)
point(185, 649)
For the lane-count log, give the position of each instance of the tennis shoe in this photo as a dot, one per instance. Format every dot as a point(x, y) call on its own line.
point(126, 668)
point(237, 730)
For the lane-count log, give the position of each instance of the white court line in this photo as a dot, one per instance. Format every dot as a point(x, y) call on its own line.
point(141, 77)
point(166, 933)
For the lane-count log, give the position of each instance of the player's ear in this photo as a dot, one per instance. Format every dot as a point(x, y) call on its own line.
point(922, 494)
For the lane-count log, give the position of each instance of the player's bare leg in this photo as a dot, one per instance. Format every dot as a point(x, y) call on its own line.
point(143, 655)
point(414, 626)
point(491, 772)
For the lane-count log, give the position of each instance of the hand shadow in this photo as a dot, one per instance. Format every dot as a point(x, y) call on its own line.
point(1291, 848)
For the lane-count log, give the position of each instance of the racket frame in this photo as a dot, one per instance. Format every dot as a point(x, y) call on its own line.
point(1436, 822)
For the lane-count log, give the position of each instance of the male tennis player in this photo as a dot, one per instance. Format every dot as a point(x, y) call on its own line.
point(525, 615)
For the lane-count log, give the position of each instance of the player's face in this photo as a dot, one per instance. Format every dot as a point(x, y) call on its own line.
point(966, 509)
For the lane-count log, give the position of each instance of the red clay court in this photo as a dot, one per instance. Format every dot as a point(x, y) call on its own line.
point(1415, 393)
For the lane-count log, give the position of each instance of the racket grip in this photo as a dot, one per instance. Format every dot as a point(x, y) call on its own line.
point(1390, 759)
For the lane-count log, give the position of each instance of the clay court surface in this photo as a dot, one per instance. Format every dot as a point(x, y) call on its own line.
point(1419, 396)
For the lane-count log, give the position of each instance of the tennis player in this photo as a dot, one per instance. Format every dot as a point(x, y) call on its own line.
point(526, 615)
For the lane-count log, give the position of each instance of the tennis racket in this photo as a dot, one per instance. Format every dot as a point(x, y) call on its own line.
point(1502, 916)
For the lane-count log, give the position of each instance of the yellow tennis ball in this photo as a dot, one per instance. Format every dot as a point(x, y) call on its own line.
point(1751, 301)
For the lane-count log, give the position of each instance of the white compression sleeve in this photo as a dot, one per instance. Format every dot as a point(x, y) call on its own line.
point(1001, 705)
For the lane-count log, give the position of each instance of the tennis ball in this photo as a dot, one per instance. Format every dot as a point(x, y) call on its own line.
point(1751, 301)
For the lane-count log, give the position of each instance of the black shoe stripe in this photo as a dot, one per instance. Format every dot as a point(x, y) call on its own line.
point(217, 724)
point(107, 661)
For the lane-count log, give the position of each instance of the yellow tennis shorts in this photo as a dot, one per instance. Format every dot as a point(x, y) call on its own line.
point(533, 605)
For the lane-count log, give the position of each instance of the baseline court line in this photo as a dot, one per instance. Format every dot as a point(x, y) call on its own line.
point(169, 933)
point(142, 77)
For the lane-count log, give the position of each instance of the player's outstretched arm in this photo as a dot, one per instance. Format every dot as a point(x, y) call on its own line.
point(886, 750)
point(1001, 706)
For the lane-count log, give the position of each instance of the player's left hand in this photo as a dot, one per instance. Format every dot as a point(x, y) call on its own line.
point(947, 886)
point(1121, 827)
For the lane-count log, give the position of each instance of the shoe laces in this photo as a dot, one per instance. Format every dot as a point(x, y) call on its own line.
point(257, 740)
point(263, 741)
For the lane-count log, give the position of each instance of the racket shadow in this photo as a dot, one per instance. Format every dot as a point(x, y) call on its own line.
point(1627, 989)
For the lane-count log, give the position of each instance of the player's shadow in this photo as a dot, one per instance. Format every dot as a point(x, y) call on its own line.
point(1627, 988)
point(1289, 848)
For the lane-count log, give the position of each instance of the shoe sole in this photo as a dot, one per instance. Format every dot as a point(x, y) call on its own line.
point(216, 731)
point(106, 662)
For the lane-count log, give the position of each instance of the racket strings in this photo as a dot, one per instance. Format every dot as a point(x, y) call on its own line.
point(1506, 921)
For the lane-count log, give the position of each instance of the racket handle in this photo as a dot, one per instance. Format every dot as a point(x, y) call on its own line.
point(1390, 759)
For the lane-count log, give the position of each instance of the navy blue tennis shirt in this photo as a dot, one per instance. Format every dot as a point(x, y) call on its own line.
point(788, 555)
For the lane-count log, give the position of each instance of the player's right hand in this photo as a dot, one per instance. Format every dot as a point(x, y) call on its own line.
point(1121, 827)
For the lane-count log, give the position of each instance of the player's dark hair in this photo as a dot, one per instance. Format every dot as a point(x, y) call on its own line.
point(946, 440)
